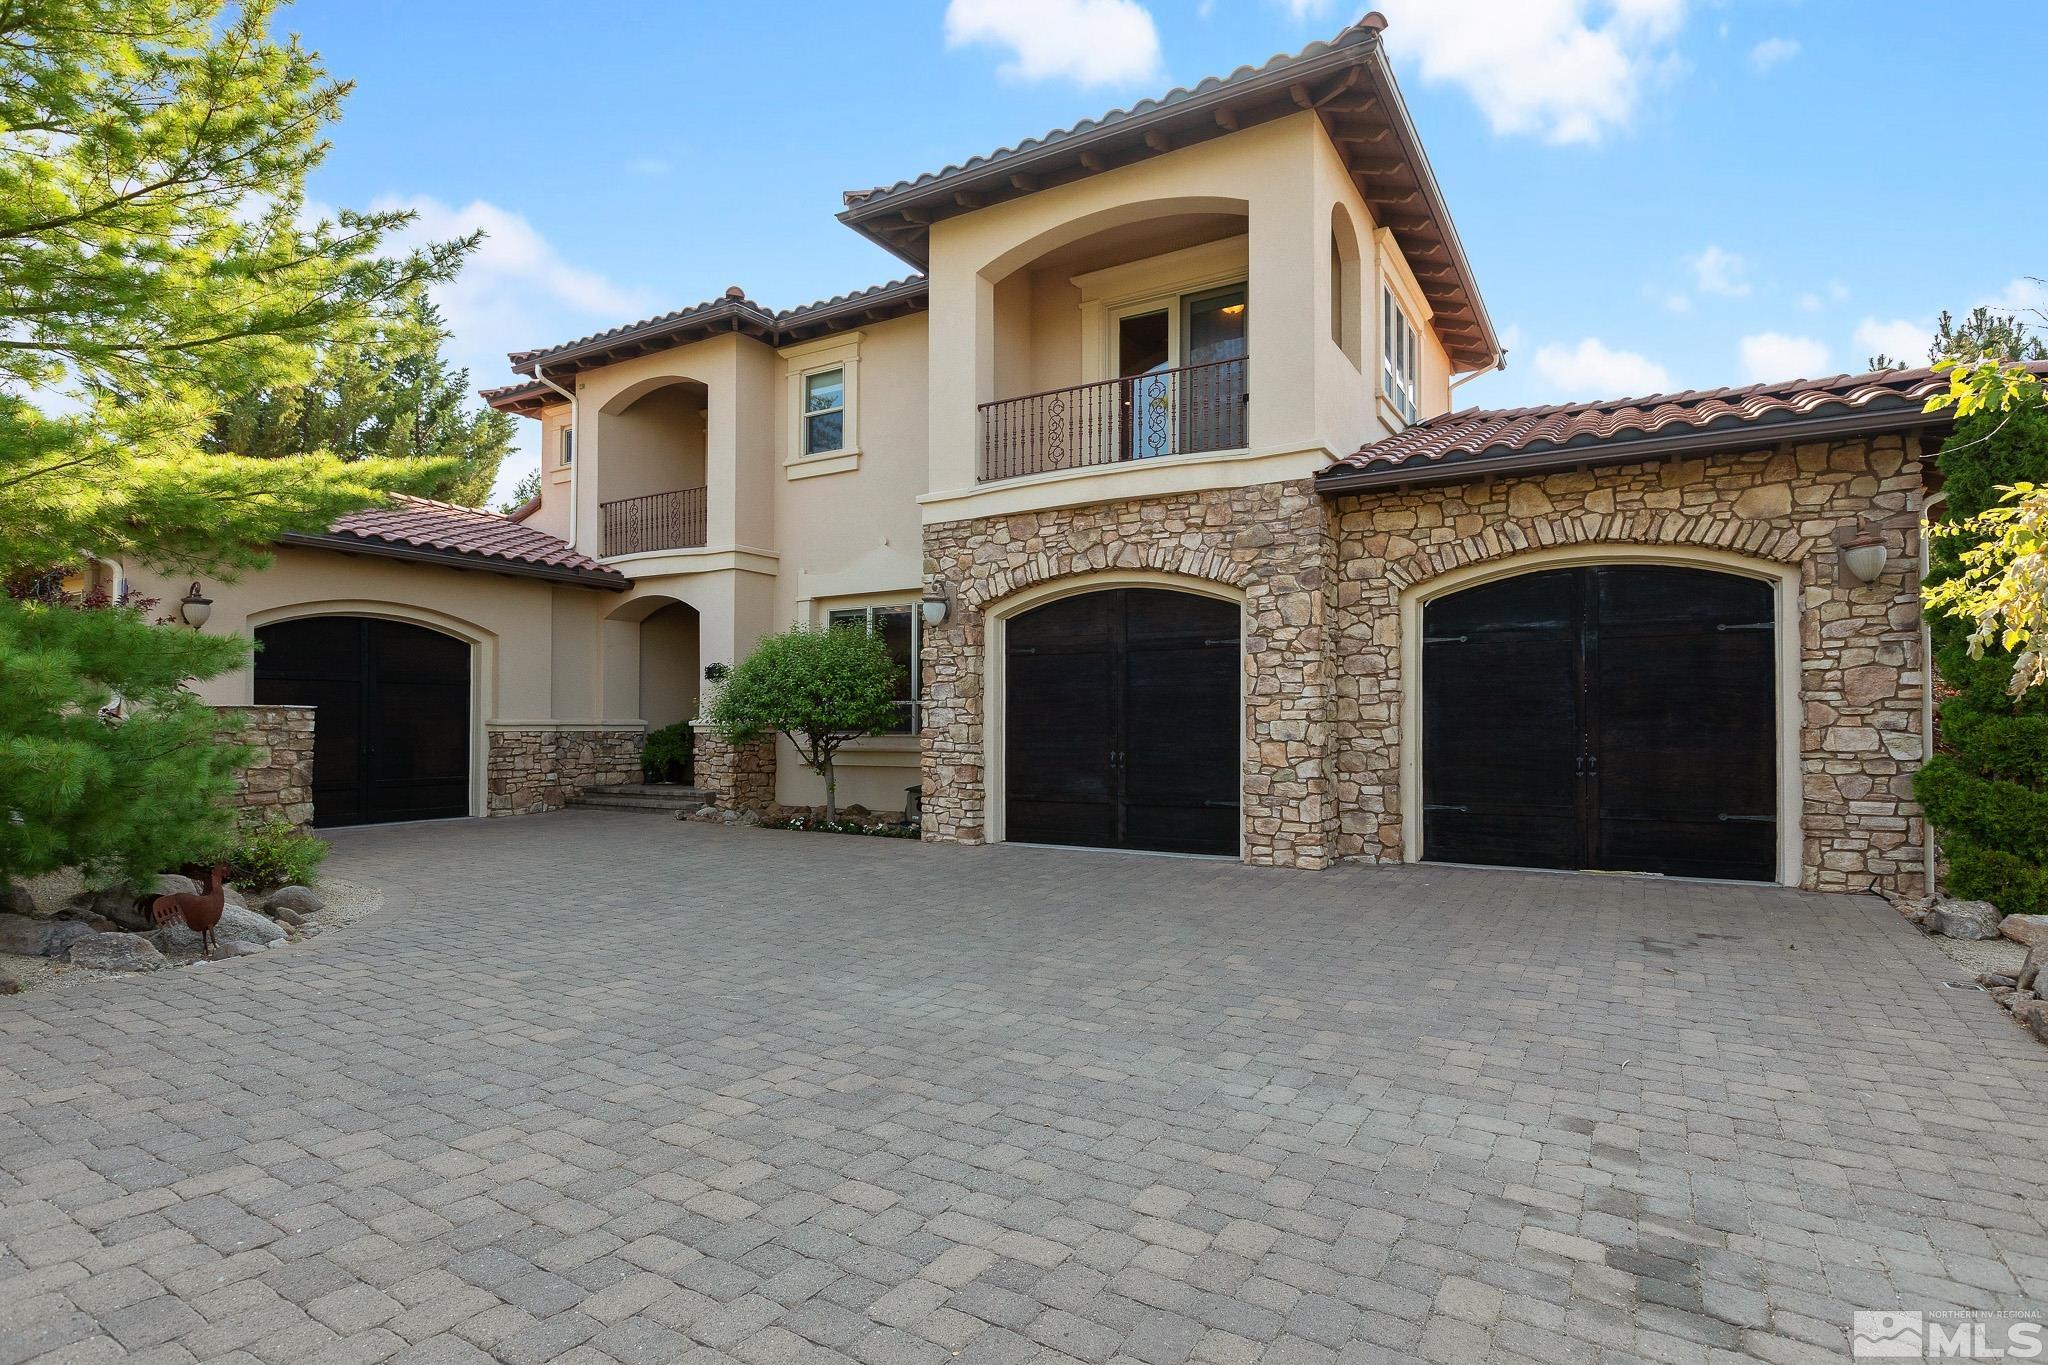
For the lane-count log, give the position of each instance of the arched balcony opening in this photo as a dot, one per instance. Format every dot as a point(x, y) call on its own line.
point(1118, 337)
point(651, 491)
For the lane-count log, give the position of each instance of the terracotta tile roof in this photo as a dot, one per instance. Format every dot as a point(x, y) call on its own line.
point(1470, 443)
point(443, 532)
point(733, 311)
point(1349, 84)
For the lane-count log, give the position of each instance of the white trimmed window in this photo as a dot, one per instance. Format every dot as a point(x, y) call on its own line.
point(901, 630)
point(568, 447)
point(1400, 358)
point(824, 415)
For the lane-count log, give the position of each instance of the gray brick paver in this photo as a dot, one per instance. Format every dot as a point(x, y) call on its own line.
point(604, 1088)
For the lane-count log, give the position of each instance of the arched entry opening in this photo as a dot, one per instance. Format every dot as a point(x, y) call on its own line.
point(651, 467)
point(391, 733)
point(1607, 716)
point(1122, 721)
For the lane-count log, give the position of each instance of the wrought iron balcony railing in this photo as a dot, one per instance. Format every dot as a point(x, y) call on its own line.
point(1166, 412)
point(658, 521)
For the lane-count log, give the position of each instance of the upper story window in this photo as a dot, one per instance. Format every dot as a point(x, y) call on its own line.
point(1400, 358)
point(568, 447)
point(899, 628)
point(824, 411)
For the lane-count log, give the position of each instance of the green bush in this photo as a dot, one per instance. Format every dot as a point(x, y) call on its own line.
point(273, 853)
point(819, 689)
point(1986, 790)
point(666, 755)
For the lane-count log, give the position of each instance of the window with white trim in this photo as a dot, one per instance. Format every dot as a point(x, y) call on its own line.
point(901, 630)
point(1400, 357)
point(824, 414)
point(568, 447)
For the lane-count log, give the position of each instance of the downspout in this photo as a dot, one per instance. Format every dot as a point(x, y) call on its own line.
point(1928, 506)
point(576, 440)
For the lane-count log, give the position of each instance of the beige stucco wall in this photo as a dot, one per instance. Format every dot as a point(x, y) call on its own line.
point(655, 445)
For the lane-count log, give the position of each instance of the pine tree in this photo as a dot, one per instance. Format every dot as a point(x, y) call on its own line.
point(388, 394)
point(153, 261)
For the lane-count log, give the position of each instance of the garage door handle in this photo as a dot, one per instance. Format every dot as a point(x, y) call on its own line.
point(1462, 810)
point(1748, 819)
point(1232, 641)
point(1220, 805)
point(1747, 625)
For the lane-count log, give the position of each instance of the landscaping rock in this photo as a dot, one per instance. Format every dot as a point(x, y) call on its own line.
point(303, 900)
point(1966, 919)
point(2034, 1014)
point(39, 937)
point(284, 914)
point(238, 925)
point(2028, 977)
point(234, 897)
point(121, 906)
point(2031, 930)
point(9, 986)
point(14, 898)
point(117, 953)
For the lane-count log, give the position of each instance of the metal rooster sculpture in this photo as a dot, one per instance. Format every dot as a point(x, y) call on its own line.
point(200, 910)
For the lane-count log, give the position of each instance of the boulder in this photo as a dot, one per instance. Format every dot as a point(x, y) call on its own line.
point(302, 899)
point(2031, 930)
point(1966, 919)
point(40, 937)
point(235, 897)
point(117, 953)
point(238, 925)
point(2034, 1014)
point(2028, 977)
point(121, 906)
point(284, 914)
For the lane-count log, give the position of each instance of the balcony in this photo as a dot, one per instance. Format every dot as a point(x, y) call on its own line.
point(1150, 416)
point(674, 520)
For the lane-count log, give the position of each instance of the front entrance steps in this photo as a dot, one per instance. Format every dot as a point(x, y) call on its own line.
point(643, 796)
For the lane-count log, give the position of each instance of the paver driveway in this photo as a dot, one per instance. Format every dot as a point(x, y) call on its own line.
point(610, 1088)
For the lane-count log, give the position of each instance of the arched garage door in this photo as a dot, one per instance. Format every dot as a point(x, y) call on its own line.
point(1122, 724)
point(391, 735)
point(1618, 718)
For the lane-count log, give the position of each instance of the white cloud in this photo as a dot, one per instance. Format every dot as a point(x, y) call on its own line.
point(1593, 370)
point(1089, 42)
point(515, 291)
point(649, 165)
point(1770, 356)
point(1563, 70)
point(1899, 339)
point(1307, 9)
point(1720, 272)
point(1773, 52)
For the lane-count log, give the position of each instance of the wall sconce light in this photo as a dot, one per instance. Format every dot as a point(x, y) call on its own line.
point(1864, 553)
point(935, 611)
point(195, 608)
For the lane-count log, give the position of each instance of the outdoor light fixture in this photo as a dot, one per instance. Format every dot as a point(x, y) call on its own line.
point(934, 611)
point(1864, 554)
point(195, 608)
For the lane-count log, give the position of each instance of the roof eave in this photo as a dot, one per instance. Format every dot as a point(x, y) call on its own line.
point(345, 543)
point(1906, 416)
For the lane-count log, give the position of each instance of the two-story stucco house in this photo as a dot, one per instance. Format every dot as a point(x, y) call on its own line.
point(1150, 477)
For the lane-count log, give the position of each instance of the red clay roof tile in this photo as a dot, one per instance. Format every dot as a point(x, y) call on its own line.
point(447, 530)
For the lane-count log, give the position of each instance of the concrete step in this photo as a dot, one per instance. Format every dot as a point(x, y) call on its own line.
point(642, 796)
point(649, 789)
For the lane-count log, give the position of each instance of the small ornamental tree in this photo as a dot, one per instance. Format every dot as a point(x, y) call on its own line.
point(818, 688)
point(1986, 791)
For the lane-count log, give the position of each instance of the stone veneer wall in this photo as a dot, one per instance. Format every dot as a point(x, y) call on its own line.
point(1861, 674)
point(1267, 544)
point(538, 768)
point(1323, 583)
point(733, 777)
point(279, 777)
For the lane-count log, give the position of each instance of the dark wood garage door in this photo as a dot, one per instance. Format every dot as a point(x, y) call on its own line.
point(1620, 719)
point(391, 736)
point(1123, 722)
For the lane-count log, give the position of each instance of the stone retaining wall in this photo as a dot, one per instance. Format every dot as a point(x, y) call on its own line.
point(538, 768)
point(734, 777)
point(279, 777)
point(1323, 583)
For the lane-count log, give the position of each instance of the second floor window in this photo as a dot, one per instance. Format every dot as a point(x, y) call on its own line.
point(1401, 357)
point(899, 628)
point(568, 446)
point(824, 412)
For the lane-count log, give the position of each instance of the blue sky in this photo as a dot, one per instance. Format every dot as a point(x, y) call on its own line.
point(1654, 193)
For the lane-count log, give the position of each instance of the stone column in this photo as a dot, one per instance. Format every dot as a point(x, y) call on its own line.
point(734, 777)
point(278, 779)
